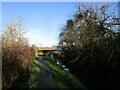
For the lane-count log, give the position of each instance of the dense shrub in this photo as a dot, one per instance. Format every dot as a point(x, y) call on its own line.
point(16, 54)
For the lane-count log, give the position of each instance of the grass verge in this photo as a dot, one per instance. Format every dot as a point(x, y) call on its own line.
point(34, 75)
point(63, 78)
point(31, 79)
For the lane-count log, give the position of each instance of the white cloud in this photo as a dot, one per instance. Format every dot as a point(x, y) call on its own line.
point(40, 38)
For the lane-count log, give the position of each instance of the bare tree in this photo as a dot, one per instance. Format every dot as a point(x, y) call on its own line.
point(16, 55)
point(90, 45)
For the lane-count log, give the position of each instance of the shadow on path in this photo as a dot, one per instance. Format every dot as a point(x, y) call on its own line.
point(46, 80)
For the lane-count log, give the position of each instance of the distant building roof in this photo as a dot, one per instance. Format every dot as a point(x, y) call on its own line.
point(46, 48)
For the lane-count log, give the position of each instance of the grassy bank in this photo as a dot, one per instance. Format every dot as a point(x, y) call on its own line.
point(31, 79)
point(63, 78)
point(34, 75)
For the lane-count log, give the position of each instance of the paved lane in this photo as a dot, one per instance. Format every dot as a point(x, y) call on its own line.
point(46, 80)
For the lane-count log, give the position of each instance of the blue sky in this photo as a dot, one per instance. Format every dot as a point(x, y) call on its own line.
point(42, 19)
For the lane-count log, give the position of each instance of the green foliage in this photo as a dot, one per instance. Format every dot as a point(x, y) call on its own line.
point(63, 78)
